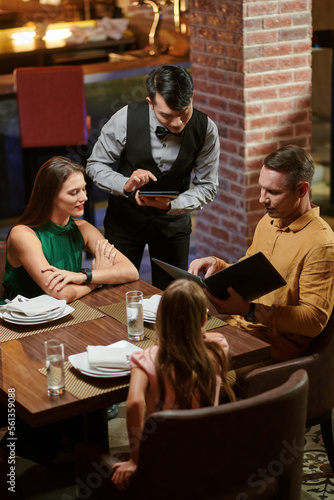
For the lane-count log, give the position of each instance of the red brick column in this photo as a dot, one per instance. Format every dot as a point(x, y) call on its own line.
point(251, 65)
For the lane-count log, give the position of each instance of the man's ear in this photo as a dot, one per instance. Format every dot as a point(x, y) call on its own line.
point(303, 188)
point(150, 102)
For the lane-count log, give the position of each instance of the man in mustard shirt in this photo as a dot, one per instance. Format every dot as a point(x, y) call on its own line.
point(300, 245)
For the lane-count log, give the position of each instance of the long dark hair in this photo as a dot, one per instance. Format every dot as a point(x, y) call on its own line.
point(183, 357)
point(49, 180)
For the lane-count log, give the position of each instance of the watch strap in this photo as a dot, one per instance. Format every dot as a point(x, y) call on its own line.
point(251, 313)
point(88, 272)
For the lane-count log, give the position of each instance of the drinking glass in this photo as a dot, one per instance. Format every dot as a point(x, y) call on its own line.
point(54, 360)
point(134, 315)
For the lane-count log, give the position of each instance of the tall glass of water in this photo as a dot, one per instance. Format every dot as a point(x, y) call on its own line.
point(134, 315)
point(54, 360)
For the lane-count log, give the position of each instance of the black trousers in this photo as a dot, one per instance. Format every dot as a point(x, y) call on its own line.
point(174, 250)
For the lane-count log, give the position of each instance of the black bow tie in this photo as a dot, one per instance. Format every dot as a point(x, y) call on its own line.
point(161, 132)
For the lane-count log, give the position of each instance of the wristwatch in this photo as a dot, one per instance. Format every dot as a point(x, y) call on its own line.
point(89, 274)
point(251, 313)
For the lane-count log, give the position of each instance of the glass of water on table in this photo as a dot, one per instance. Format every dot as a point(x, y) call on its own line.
point(134, 315)
point(54, 361)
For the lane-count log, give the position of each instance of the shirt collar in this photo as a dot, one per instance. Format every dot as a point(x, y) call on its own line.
point(301, 222)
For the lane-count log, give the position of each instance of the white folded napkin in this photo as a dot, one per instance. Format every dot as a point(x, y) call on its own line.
point(150, 306)
point(42, 304)
point(108, 357)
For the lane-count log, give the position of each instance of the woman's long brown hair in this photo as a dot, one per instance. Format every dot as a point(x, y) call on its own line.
point(183, 358)
point(49, 180)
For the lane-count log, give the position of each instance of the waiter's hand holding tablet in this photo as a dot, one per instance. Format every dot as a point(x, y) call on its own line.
point(157, 199)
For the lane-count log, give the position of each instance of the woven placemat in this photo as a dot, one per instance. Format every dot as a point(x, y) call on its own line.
point(118, 311)
point(82, 387)
point(213, 322)
point(81, 313)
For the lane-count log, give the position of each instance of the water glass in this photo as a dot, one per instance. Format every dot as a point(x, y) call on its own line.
point(134, 315)
point(54, 360)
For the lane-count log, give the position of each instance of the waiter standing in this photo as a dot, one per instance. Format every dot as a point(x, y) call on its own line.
point(156, 144)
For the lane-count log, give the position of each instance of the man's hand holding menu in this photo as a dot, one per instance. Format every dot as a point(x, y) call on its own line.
point(206, 265)
point(251, 277)
point(234, 304)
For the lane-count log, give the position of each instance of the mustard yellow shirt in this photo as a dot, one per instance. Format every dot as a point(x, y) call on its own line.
point(303, 253)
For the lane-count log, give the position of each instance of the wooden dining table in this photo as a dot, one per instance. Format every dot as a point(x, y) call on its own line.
point(22, 362)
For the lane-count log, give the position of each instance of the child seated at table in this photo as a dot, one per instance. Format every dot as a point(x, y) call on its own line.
point(187, 368)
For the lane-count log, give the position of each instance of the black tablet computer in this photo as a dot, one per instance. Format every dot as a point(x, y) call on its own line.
point(165, 194)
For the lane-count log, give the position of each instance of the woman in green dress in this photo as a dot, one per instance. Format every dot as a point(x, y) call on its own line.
point(44, 255)
point(44, 248)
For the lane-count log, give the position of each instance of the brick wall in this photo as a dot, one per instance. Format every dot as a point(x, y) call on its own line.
point(251, 65)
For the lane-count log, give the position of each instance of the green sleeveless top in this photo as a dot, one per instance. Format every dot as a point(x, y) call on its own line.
point(62, 247)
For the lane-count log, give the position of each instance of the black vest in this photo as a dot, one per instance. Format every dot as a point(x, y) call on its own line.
point(125, 212)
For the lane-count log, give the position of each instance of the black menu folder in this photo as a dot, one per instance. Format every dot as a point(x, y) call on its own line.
point(251, 277)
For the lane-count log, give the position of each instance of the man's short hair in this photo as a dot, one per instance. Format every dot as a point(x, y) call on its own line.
point(293, 160)
point(173, 83)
